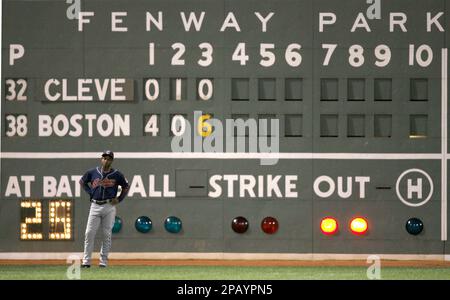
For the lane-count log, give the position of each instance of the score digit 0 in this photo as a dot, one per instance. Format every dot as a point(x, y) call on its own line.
point(59, 216)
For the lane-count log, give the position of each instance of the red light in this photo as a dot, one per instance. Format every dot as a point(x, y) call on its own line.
point(358, 225)
point(269, 225)
point(328, 225)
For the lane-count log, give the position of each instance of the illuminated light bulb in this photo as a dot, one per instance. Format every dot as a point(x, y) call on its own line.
point(38, 204)
point(52, 215)
point(63, 204)
point(57, 235)
point(33, 204)
point(68, 220)
point(52, 236)
point(57, 204)
point(24, 236)
point(40, 236)
point(39, 220)
point(34, 235)
point(57, 220)
point(52, 220)
point(24, 231)
point(358, 225)
point(24, 225)
point(22, 204)
point(29, 235)
point(38, 215)
point(63, 220)
point(67, 236)
point(27, 220)
point(68, 204)
point(68, 225)
point(328, 225)
point(52, 204)
point(52, 209)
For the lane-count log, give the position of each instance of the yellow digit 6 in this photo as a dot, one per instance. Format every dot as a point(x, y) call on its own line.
point(203, 128)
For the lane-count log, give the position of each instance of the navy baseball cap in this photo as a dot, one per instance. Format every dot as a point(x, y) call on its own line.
point(108, 153)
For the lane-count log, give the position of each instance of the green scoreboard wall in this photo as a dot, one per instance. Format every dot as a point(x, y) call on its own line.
point(289, 109)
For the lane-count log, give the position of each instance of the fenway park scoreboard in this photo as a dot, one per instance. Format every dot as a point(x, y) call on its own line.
point(256, 129)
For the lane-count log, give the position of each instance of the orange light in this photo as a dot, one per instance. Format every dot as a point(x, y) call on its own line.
point(358, 225)
point(328, 225)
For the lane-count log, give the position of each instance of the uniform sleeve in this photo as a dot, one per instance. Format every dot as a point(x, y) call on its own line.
point(84, 182)
point(123, 182)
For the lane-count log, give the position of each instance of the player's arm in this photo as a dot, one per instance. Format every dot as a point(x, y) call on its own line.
point(84, 182)
point(125, 188)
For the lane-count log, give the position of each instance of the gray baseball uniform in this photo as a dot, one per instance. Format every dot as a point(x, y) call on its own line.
point(102, 188)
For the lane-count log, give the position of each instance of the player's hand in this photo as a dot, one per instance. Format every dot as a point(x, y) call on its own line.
point(114, 201)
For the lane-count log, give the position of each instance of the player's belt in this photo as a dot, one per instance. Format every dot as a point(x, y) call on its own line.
point(101, 202)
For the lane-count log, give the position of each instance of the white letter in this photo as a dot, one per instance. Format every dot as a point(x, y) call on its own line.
point(401, 22)
point(247, 183)
point(27, 180)
point(331, 20)
point(16, 51)
point(166, 191)
point(109, 125)
point(45, 125)
point(230, 21)
point(158, 23)
point(47, 89)
point(192, 18)
point(117, 89)
point(289, 186)
point(13, 187)
point(152, 192)
point(115, 21)
point(374, 10)
point(360, 22)
point(73, 271)
point(73, 10)
point(331, 188)
point(121, 125)
point(82, 89)
point(272, 185)
point(65, 123)
point(74, 121)
point(264, 20)
point(76, 179)
point(362, 185)
point(231, 179)
point(374, 271)
point(49, 187)
point(341, 193)
point(137, 186)
point(217, 189)
point(64, 187)
point(90, 118)
point(434, 21)
point(415, 188)
point(81, 19)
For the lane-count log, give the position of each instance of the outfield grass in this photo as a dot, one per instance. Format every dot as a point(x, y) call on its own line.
point(48, 272)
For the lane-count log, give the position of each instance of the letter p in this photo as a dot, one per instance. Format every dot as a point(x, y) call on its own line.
point(16, 51)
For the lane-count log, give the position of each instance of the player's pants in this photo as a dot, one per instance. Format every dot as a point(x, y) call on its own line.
point(103, 215)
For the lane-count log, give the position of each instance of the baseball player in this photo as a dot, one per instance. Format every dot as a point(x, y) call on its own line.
point(101, 183)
